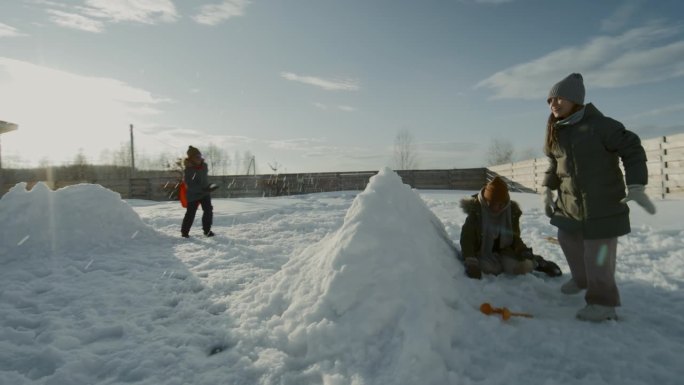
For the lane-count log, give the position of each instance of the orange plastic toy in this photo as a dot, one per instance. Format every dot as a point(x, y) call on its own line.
point(506, 314)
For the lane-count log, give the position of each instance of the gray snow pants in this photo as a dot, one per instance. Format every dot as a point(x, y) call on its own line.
point(592, 265)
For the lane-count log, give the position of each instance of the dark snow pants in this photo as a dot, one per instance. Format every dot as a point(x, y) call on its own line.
point(191, 210)
point(592, 265)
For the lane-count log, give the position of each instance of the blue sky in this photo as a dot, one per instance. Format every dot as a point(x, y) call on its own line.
point(323, 85)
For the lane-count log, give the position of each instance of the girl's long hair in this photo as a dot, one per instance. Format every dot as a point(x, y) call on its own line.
point(551, 135)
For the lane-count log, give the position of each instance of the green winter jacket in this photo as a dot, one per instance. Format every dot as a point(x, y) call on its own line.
point(471, 231)
point(584, 169)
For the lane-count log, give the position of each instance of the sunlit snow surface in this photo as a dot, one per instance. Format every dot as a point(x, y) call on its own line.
point(331, 288)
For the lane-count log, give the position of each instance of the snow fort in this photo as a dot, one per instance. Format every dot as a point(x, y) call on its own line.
point(373, 302)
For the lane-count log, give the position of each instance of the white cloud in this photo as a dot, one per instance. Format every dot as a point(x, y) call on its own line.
point(75, 21)
point(326, 84)
point(227, 141)
point(49, 3)
point(319, 148)
point(9, 31)
point(297, 144)
point(344, 108)
point(640, 55)
point(212, 14)
point(93, 15)
point(620, 17)
point(141, 11)
point(59, 112)
point(672, 109)
point(341, 154)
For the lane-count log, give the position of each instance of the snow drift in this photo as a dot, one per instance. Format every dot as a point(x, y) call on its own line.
point(76, 218)
point(389, 290)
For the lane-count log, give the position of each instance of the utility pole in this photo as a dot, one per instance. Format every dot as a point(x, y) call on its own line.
point(132, 152)
point(130, 177)
point(252, 165)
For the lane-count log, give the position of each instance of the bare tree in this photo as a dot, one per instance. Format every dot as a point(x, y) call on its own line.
point(118, 157)
point(225, 163)
point(404, 151)
point(80, 169)
point(275, 166)
point(164, 159)
point(500, 152)
point(213, 155)
point(527, 154)
point(237, 158)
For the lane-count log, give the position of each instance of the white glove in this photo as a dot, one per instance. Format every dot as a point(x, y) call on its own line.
point(635, 192)
point(549, 204)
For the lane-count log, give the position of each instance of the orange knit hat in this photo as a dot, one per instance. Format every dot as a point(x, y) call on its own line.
point(496, 191)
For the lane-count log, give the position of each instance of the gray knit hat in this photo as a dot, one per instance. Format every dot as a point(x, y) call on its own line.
point(571, 88)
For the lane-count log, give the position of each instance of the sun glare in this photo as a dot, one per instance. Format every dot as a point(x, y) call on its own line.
point(60, 113)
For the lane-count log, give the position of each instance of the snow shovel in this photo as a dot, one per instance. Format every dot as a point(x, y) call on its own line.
point(506, 314)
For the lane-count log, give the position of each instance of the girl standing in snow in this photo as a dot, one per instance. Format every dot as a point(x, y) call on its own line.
point(584, 150)
point(490, 236)
point(198, 192)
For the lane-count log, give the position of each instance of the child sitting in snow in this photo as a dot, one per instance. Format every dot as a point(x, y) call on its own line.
point(490, 236)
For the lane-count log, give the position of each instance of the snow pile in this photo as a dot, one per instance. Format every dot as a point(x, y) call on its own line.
point(88, 292)
point(374, 302)
point(76, 218)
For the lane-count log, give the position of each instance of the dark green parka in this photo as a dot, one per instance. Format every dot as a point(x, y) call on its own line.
point(196, 179)
point(471, 232)
point(585, 170)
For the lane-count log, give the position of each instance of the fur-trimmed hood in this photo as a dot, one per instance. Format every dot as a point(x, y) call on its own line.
point(472, 206)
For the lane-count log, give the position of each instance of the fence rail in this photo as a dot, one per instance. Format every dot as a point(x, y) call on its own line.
point(665, 168)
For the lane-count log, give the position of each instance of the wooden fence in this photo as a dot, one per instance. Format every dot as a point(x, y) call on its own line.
point(665, 168)
point(164, 187)
point(232, 186)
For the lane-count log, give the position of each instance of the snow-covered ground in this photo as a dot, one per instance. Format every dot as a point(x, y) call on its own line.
point(331, 288)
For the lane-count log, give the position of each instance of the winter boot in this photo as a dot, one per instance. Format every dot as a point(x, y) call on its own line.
point(185, 235)
point(209, 233)
point(570, 287)
point(597, 313)
point(547, 267)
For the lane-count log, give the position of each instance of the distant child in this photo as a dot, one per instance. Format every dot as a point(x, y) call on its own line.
point(585, 149)
point(490, 236)
point(198, 192)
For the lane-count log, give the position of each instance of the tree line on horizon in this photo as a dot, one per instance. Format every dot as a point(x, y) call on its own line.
point(116, 164)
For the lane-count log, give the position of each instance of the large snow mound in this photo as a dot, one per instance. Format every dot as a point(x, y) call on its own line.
point(76, 218)
point(368, 301)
